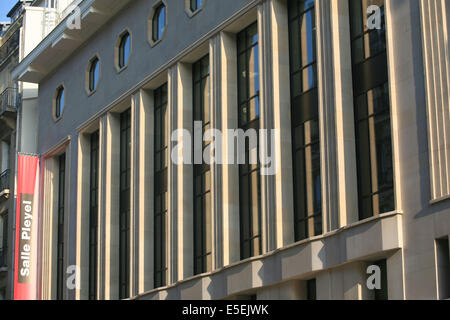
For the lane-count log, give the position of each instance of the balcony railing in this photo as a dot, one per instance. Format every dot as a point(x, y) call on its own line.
point(4, 181)
point(9, 100)
point(10, 46)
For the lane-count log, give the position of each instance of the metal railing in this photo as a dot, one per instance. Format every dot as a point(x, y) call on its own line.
point(9, 100)
point(4, 180)
point(10, 46)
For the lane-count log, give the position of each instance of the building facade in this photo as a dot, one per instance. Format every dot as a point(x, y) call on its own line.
point(356, 93)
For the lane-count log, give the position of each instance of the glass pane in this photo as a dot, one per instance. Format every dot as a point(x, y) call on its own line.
point(197, 102)
point(295, 45)
point(94, 75)
point(161, 21)
point(384, 151)
point(364, 159)
point(60, 103)
point(244, 201)
point(242, 77)
point(299, 137)
point(296, 84)
point(309, 79)
point(252, 35)
point(317, 192)
point(207, 181)
point(206, 99)
point(374, 43)
point(307, 38)
point(254, 108)
point(208, 226)
point(165, 123)
point(125, 48)
point(255, 203)
point(358, 50)
point(205, 66)
point(253, 64)
point(356, 18)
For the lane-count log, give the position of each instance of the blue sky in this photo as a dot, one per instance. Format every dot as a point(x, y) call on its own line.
point(5, 7)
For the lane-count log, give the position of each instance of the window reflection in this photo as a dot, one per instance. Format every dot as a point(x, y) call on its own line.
point(202, 173)
point(249, 112)
point(305, 125)
point(372, 112)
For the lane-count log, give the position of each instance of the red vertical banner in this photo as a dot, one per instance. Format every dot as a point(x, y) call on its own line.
point(25, 270)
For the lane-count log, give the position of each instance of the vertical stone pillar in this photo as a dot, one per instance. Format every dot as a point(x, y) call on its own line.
point(110, 212)
point(217, 177)
point(268, 199)
point(83, 199)
point(231, 231)
point(184, 107)
point(284, 192)
point(50, 202)
point(327, 123)
point(142, 190)
point(346, 169)
point(436, 51)
point(102, 160)
point(172, 216)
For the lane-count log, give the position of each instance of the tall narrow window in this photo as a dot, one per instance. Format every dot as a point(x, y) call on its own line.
point(249, 112)
point(202, 173)
point(159, 22)
point(59, 102)
point(124, 49)
point(161, 184)
point(60, 284)
point(305, 124)
point(372, 112)
point(124, 222)
point(94, 74)
point(93, 217)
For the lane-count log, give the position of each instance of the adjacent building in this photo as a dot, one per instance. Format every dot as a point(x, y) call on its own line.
point(30, 22)
point(357, 93)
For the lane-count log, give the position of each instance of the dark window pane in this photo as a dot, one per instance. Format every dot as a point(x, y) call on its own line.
point(160, 185)
point(202, 177)
point(93, 216)
point(125, 175)
point(60, 277)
